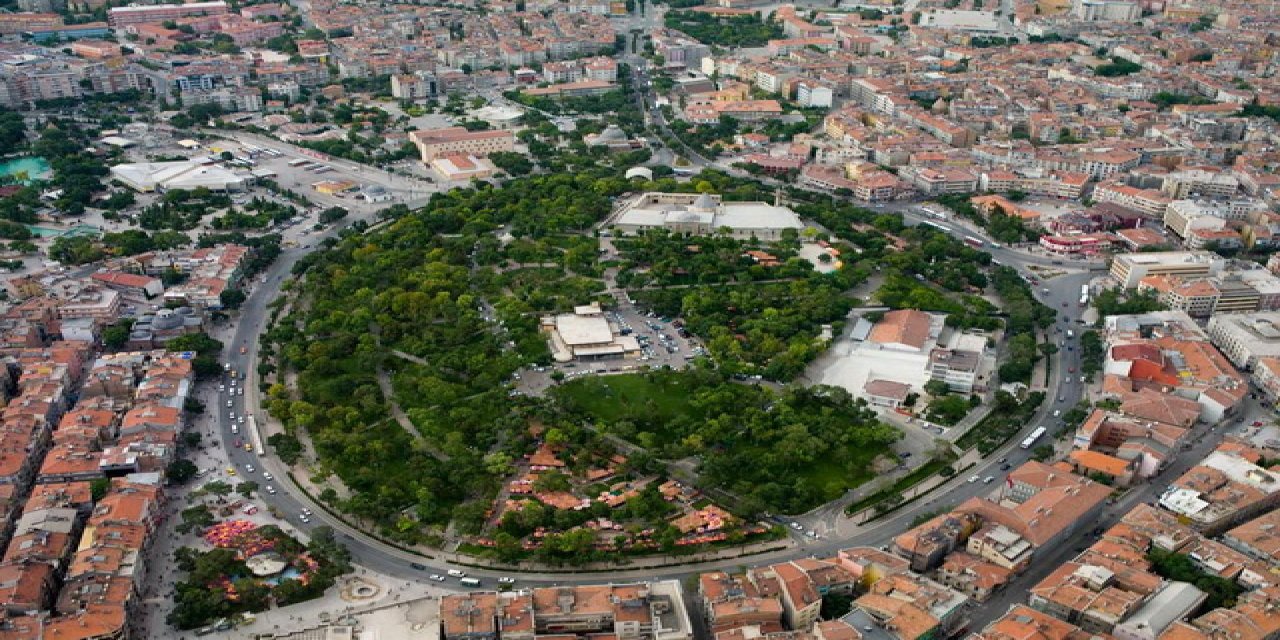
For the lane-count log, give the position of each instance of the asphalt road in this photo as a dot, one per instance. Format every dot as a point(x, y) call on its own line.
point(384, 558)
point(1062, 295)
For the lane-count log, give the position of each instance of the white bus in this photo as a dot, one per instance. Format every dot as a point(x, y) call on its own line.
point(297, 162)
point(1031, 439)
point(1084, 295)
point(934, 225)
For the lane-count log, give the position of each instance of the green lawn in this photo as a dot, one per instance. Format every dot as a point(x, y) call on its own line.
point(611, 398)
point(833, 480)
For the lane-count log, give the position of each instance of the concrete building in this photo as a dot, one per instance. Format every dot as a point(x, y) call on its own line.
point(586, 334)
point(414, 87)
point(1246, 337)
point(434, 143)
point(181, 175)
point(1106, 10)
point(1130, 269)
point(119, 17)
point(1221, 492)
point(705, 214)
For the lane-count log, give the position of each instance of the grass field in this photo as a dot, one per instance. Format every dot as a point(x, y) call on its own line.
point(659, 397)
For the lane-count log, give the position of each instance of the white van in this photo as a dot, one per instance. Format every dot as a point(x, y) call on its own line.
point(455, 573)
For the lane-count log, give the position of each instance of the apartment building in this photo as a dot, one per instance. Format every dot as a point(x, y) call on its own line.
point(1246, 337)
point(1149, 202)
point(1166, 351)
point(1144, 444)
point(910, 607)
point(801, 603)
point(1257, 538)
point(1222, 491)
point(414, 87)
point(1064, 185)
point(1130, 269)
point(120, 17)
point(958, 368)
point(435, 143)
point(648, 611)
point(733, 601)
point(973, 576)
point(1186, 216)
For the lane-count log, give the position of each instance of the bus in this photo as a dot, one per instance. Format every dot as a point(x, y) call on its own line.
point(935, 226)
point(974, 242)
point(469, 582)
point(252, 425)
point(1031, 439)
point(297, 162)
point(1084, 295)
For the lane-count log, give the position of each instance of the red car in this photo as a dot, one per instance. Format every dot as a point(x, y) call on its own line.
point(1071, 370)
point(238, 443)
point(1257, 423)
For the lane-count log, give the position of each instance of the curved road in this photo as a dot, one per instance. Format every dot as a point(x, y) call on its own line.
point(1063, 392)
point(1062, 294)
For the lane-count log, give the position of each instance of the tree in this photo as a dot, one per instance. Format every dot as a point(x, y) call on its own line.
point(217, 488)
point(247, 488)
point(332, 215)
point(116, 335)
point(231, 298)
point(98, 487)
point(515, 164)
point(181, 471)
point(13, 130)
point(287, 447)
point(195, 518)
point(937, 388)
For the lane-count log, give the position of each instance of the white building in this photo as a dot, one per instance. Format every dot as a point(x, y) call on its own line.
point(168, 176)
point(1246, 337)
point(586, 334)
point(705, 214)
point(1130, 269)
point(1106, 10)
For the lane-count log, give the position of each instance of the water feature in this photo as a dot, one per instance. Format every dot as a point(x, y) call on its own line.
point(35, 168)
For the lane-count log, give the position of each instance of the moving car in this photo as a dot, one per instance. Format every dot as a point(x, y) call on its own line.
point(435, 576)
point(417, 566)
point(973, 478)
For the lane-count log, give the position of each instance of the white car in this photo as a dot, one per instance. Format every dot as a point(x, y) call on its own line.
point(240, 391)
point(973, 478)
point(235, 430)
point(437, 577)
point(267, 475)
point(230, 403)
point(304, 518)
point(250, 468)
